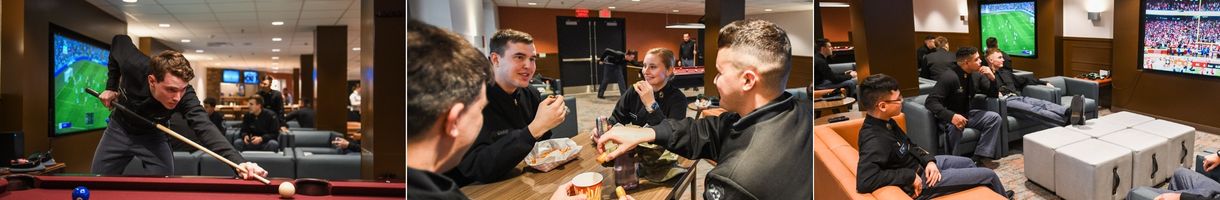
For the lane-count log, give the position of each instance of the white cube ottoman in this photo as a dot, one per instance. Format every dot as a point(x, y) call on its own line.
point(1039, 149)
point(1181, 139)
point(1096, 128)
point(1151, 162)
point(1126, 119)
point(1092, 169)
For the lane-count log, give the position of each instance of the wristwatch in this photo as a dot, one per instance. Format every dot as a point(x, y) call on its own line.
point(654, 107)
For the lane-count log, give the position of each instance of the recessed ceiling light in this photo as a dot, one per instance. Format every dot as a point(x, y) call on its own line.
point(612, 7)
point(356, 49)
point(275, 57)
point(186, 41)
point(635, 0)
point(198, 50)
point(276, 39)
point(768, 10)
point(275, 50)
point(532, 3)
point(163, 25)
point(675, 10)
point(130, 1)
point(277, 23)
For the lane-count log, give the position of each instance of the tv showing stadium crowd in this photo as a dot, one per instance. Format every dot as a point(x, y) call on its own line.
point(1181, 36)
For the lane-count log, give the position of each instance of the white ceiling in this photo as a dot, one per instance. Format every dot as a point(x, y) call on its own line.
point(246, 27)
point(684, 7)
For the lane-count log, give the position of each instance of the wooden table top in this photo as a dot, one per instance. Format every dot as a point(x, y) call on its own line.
point(849, 115)
point(56, 168)
point(529, 183)
point(818, 105)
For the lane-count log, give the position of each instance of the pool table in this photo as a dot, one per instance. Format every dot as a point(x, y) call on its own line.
point(187, 188)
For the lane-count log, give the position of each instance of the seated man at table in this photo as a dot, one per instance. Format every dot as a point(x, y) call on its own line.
point(516, 115)
point(443, 121)
point(825, 78)
point(950, 101)
point(217, 118)
point(764, 144)
point(888, 157)
point(260, 128)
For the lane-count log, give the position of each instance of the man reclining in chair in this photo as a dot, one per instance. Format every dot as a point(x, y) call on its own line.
point(888, 157)
point(1025, 107)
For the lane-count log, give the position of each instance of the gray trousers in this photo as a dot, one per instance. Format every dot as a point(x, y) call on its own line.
point(959, 173)
point(1187, 181)
point(686, 62)
point(988, 125)
point(117, 148)
point(849, 85)
point(1038, 110)
point(267, 145)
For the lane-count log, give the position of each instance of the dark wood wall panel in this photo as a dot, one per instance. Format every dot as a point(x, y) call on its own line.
point(802, 72)
point(1084, 55)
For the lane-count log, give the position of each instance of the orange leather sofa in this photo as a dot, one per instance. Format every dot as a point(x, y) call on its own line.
point(836, 156)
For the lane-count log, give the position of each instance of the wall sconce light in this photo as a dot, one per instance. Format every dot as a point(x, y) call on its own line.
point(961, 17)
point(1094, 16)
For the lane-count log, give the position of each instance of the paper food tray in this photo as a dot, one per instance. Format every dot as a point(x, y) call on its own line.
point(552, 153)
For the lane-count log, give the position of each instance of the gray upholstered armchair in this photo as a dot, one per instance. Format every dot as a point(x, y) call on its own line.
point(924, 130)
point(1065, 88)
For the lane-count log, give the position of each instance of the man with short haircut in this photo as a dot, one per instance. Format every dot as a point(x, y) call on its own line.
point(929, 46)
point(950, 103)
point(516, 116)
point(154, 88)
point(826, 78)
point(443, 122)
point(764, 143)
point(889, 158)
point(940, 62)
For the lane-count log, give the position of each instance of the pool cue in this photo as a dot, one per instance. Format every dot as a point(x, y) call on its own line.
point(124, 109)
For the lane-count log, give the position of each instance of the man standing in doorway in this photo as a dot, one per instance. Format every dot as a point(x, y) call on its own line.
point(687, 51)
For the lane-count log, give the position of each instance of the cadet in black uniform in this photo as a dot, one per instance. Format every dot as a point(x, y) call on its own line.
point(154, 88)
point(764, 143)
point(652, 100)
point(888, 157)
point(516, 115)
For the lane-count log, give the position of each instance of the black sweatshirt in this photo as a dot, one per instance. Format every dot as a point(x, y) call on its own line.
point(953, 92)
point(266, 124)
point(630, 110)
point(884, 161)
point(822, 72)
point(129, 70)
point(427, 185)
point(1011, 83)
point(505, 139)
point(764, 155)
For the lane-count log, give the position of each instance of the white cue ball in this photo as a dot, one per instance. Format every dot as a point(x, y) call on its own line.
point(287, 190)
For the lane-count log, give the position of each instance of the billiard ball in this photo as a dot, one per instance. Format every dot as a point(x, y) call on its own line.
point(287, 190)
point(80, 193)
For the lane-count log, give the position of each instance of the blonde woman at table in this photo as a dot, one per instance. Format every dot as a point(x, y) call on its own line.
point(648, 103)
point(764, 144)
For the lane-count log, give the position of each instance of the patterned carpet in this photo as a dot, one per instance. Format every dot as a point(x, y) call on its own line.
point(1012, 168)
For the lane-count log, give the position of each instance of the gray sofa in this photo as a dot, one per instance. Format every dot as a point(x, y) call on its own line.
point(305, 154)
point(842, 67)
point(927, 134)
point(185, 164)
point(924, 131)
point(1065, 88)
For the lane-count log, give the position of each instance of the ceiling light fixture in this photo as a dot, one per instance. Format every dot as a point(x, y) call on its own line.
point(277, 23)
